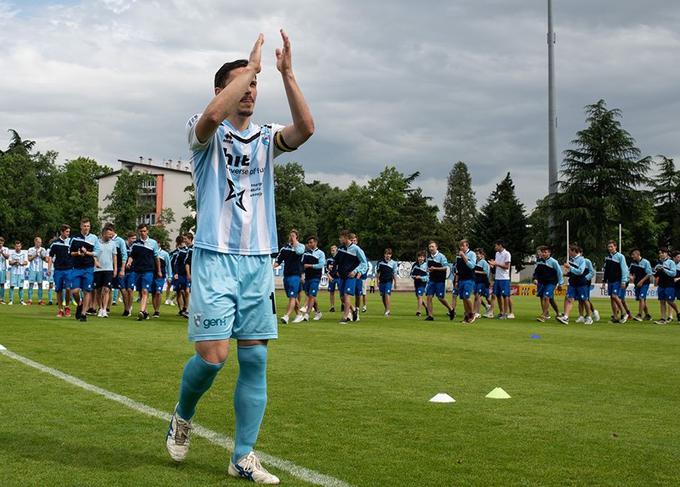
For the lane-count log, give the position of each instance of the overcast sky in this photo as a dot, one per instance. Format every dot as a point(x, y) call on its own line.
point(418, 85)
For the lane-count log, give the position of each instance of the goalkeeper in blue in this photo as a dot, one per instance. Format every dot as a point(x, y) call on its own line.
point(232, 292)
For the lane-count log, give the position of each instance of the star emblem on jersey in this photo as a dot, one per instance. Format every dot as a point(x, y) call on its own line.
point(233, 194)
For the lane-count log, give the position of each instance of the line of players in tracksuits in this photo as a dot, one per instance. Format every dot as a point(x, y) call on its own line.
point(580, 273)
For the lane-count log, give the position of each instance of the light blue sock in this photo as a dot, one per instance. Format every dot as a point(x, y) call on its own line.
point(115, 296)
point(40, 292)
point(50, 294)
point(197, 378)
point(250, 398)
point(21, 294)
point(30, 292)
point(2, 292)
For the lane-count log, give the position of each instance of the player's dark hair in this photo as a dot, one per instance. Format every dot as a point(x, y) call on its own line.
point(84, 220)
point(222, 74)
point(420, 253)
point(675, 253)
point(2, 239)
point(142, 225)
point(388, 251)
point(634, 250)
point(189, 235)
point(575, 248)
point(179, 239)
point(480, 250)
point(297, 234)
point(543, 248)
point(106, 228)
point(613, 242)
point(500, 242)
point(131, 234)
point(344, 233)
point(110, 226)
point(64, 227)
point(432, 242)
point(312, 237)
point(352, 236)
point(663, 249)
point(17, 242)
point(464, 241)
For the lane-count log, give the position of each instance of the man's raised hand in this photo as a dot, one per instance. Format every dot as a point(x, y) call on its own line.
point(255, 59)
point(283, 56)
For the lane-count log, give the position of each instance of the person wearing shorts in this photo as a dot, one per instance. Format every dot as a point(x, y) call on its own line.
point(437, 265)
point(232, 278)
point(107, 267)
point(547, 275)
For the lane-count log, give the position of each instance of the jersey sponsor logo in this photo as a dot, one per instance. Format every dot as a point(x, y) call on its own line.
point(233, 194)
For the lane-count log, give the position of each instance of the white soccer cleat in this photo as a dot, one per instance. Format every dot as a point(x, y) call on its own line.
point(477, 316)
point(588, 321)
point(488, 314)
point(363, 309)
point(305, 317)
point(563, 319)
point(284, 319)
point(387, 313)
point(510, 316)
point(317, 316)
point(299, 318)
point(596, 315)
point(250, 468)
point(303, 310)
point(580, 319)
point(624, 318)
point(177, 439)
point(488, 309)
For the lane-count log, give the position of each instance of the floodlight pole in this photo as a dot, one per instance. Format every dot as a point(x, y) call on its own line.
point(552, 110)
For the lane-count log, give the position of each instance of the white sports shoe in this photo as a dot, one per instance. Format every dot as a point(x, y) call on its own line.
point(303, 310)
point(284, 319)
point(387, 313)
point(250, 468)
point(363, 309)
point(177, 439)
point(510, 316)
point(488, 314)
point(588, 321)
point(299, 318)
point(580, 319)
point(596, 315)
point(317, 316)
point(624, 318)
point(563, 319)
point(305, 317)
point(105, 314)
point(477, 316)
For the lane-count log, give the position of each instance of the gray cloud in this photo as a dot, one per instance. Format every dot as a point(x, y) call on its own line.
point(388, 83)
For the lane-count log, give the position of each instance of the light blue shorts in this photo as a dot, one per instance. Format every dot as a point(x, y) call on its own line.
point(35, 276)
point(16, 280)
point(232, 297)
point(3, 277)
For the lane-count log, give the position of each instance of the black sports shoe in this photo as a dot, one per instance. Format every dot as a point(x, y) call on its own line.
point(79, 311)
point(156, 314)
point(92, 312)
point(143, 315)
point(332, 309)
point(126, 313)
point(452, 314)
point(429, 318)
point(83, 317)
point(355, 315)
point(418, 313)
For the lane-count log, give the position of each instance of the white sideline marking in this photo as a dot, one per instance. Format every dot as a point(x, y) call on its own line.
point(214, 437)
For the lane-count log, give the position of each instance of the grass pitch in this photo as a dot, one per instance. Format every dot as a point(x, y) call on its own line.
point(590, 405)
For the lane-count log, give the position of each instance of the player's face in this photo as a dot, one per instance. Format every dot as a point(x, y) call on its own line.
point(17, 246)
point(132, 239)
point(663, 255)
point(432, 248)
point(85, 228)
point(611, 248)
point(66, 233)
point(636, 256)
point(677, 258)
point(464, 247)
point(312, 244)
point(421, 259)
point(334, 250)
point(37, 242)
point(545, 254)
point(572, 253)
point(355, 241)
point(498, 247)
point(388, 256)
point(144, 233)
point(107, 235)
point(246, 105)
point(479, 256)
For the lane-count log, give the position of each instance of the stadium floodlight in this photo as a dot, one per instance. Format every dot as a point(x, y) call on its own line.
point(552, 111)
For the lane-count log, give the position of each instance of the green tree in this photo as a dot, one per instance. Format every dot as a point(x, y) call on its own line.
point(538, 222)
point(127, 201)
point(294, 201)
point(460, 205)
point(503, 218)
point(78, 192)
point(666, 190)
point(601, 177)
point(416, 226)
point(189, 221)
point(27, 200)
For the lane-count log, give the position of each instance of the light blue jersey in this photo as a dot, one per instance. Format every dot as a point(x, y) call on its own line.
point(36, 258)
point(590, 273)
point(233, 174)
point(362, 268)
point(166, 266)
point(4, 255)
point(106, 255)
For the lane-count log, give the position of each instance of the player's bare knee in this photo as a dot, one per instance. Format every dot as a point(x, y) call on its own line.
point(213, 351)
